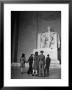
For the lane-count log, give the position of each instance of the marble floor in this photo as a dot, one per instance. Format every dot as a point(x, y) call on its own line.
point(16, 74)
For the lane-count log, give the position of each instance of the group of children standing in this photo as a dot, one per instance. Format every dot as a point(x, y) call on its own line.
point(38, 65)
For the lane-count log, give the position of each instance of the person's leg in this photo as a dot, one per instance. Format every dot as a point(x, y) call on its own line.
point(36, 72)
point(29, 70)
point(43, 69)
point(39, 70)
point(47, 71)
point(33, 72)
point(22, 70)
point(21, 66)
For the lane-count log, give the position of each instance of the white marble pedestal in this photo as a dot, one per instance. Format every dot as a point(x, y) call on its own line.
point(53, 56)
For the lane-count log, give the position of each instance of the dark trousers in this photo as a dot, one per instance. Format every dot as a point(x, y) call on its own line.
point(46, 71)
point(30, 69)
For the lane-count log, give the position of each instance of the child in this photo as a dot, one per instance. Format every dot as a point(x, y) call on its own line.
point(22, 62)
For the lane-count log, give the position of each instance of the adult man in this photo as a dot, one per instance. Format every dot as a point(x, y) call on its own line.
point(41, 64)
point(47, 65)
point(30, 60)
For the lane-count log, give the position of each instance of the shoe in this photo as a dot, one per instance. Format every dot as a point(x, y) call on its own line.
point(21, 72)
point(32, 74)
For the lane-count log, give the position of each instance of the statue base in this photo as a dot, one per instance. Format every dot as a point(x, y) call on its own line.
point(53, 55)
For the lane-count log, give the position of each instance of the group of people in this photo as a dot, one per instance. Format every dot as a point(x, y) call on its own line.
point(38, 65)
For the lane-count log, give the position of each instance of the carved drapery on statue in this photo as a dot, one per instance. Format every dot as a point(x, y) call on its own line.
point(48, 40)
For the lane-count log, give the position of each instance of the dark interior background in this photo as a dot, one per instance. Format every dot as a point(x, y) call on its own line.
point(26, 25)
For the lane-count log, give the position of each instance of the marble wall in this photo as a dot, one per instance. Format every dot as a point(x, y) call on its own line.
point(31, 23)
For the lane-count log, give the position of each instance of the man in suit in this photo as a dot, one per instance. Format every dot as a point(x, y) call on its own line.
point(48, 60)
point(41, 63)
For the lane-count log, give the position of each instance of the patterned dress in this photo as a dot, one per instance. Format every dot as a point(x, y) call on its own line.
point(35, 65)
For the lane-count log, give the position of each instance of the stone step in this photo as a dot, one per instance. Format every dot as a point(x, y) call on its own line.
point(52, 65)
point(55, 61)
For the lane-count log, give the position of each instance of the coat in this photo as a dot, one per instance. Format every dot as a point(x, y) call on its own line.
point(48, 62)
point(42, 58)
point(36, 62)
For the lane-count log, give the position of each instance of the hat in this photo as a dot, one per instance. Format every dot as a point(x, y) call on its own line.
point(31, 54)
point(41, 51)
point(23, 54)
point(48, 55)
point(36, 53)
